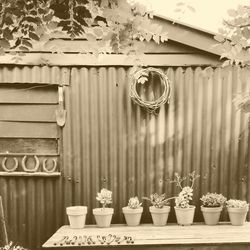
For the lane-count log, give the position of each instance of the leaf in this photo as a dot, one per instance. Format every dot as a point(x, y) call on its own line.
point(192, 9)
point(27, 43)
point(101, 23)
point(90, 37)
point(24, 48)
point(219, 38)
point(4, 44)
point(226, 63)
point(177, 10)
point(156, 38)
point(180, 4)
point(2, 53)
point(148, 37)
point(164, 37)
point(232, 12)
point(7, 34)
point(8, 20)
point(48, 17)
point(104, 3)
point(151, 14)
point(52, 25)
point(98, 32)
point(142, 80)
point(33, 36)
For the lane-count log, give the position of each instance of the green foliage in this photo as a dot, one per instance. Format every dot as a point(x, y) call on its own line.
point(118, 24)
point(234, 37)
point(234, 40)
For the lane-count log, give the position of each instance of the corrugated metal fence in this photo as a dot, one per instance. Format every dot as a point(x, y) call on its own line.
point(108, 141)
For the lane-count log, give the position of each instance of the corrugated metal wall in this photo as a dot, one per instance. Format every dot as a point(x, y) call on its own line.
point(109, 141)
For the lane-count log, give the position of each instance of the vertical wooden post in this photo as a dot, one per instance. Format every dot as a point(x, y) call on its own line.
point(3, 231)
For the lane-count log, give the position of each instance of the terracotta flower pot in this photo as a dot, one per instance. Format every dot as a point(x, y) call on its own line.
point(103, 216)
point(159, 215)
point(77, 216)
point(237, 216)
point(185, 216)
point(132, 216)
point(211, 214)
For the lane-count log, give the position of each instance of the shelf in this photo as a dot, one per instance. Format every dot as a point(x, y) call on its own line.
point(23, 174)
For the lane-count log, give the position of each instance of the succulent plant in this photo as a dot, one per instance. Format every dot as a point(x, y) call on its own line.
point(213, 200)
point(11, 246)
point(158, 200)
point(134, 202)
point(104, 197)
point(186, 193)
point(236, 203)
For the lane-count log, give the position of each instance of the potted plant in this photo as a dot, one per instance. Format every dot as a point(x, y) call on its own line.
point(133, 211)
point(237, 210)
point(77, 216)
point(183, 210)
point(103, 215)
point(212, 205)
point(11, 246)
point(159, 209)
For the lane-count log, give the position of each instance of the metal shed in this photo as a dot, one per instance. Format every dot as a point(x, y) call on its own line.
point(109, 141)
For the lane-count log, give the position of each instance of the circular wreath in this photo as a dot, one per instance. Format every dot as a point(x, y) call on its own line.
point(140, 76)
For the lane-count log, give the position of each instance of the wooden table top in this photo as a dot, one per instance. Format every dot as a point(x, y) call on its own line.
point(147, 234)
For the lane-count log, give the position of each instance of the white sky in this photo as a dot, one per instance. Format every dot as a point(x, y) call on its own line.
point(208, 13)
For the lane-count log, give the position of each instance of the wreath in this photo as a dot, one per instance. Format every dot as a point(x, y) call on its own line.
point(140, 76)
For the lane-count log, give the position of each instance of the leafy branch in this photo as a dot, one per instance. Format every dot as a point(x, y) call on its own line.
point(119, 24)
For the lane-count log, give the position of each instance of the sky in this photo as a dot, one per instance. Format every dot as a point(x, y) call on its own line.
point(208, 14)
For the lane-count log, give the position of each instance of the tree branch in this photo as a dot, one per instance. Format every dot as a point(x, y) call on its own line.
point(236, 26)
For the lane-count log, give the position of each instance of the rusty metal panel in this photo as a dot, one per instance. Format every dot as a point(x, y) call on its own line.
point(109, 141)
point(35, 74)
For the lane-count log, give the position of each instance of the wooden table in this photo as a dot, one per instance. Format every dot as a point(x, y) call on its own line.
point(148, 237)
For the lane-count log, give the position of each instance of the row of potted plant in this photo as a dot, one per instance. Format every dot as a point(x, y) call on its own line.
point(212, 205)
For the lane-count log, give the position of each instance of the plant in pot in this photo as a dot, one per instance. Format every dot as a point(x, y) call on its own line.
point(133, 211)
point(212, 205)
point(237, 210)
point(103, 216)
point(77, 216)
point(160, 208)
point(12, 246)
point(183, 210)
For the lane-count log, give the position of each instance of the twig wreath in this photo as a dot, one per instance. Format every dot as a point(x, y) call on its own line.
point(140, 76)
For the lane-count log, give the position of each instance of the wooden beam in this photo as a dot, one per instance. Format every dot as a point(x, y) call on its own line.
point(189, 36)
point(28, 130)
point(20, 146)
point(24, 93)
point(115, 60)
point(30, 113)
point(76, 46)
point(3, 232)
point(25, 174)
